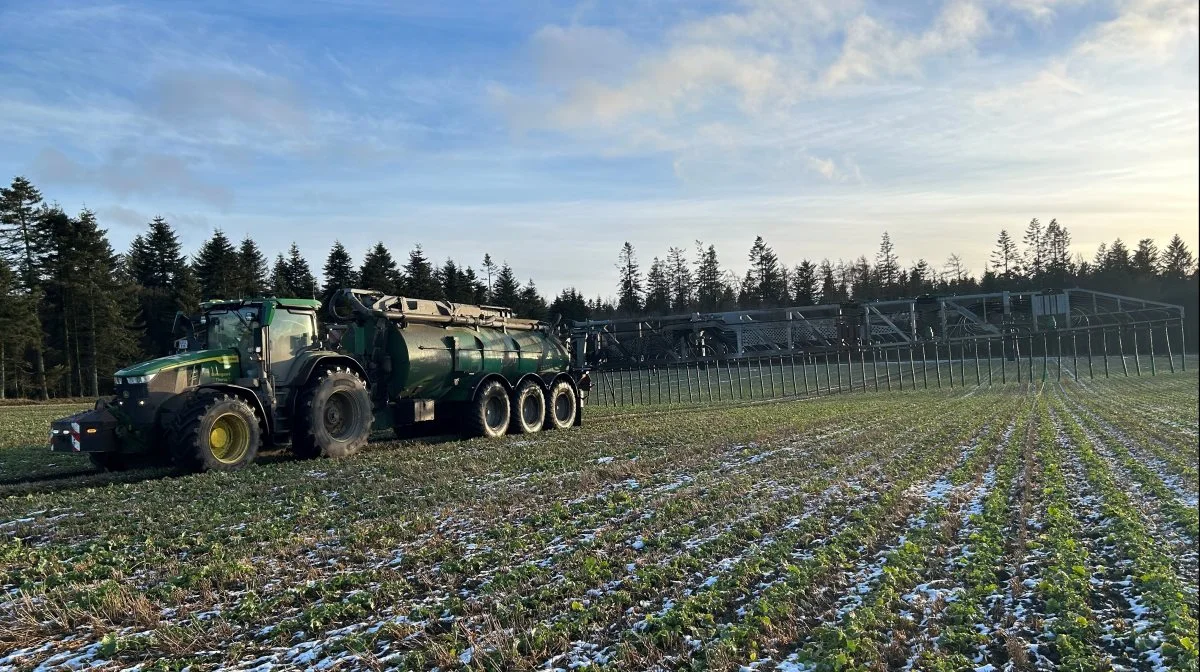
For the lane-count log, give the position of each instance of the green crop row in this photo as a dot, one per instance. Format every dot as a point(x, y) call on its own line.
point(1154, 579)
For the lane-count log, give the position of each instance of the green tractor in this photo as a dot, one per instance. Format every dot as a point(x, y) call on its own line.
point(266, 372)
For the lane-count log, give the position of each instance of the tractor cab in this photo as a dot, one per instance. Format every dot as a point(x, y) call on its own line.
point(269, 337)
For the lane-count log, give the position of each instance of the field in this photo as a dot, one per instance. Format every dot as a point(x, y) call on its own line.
point(979, 528)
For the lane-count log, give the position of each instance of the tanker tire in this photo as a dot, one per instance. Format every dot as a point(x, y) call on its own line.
point(215, 431)
point(562, 406)
point(489, 413)
point(528, 408)
point(333, 416)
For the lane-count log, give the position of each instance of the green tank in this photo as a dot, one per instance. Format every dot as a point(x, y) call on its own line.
point(426, 358)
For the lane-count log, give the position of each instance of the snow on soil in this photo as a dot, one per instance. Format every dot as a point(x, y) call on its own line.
point(865, 578)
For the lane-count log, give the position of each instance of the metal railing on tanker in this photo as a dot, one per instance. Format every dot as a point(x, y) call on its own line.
point(1015, 357)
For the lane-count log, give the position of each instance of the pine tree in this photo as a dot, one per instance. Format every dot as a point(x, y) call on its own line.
point(829, 288)
point(887, 266)
point(920, 278)
point(629, 289)
point(1035, 249)
point(768, 282)
point(18, 332)
point(478, 291)
point(215, 266)
point(1004, 257)
point(1118, 261)
point(1145, 259)
point(87, 321)
point(570, 306)
point(804, 284)
point(419, 279)
point(709, 288)
point(505, 290)
point(531, 304)
point(863, 281)
point(301, 282)
point(489, 270)
point(658, 289)
point(679, 275)
point(21, 243)
point(250, 278)
point(280, 283)
point(166, 284)
point(378, 271)
point(1057, 242)
point(1178, 263)
point(338, 270)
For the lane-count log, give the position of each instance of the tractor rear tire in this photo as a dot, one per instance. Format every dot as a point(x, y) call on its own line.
point(489, 413)
point(528, 408)
point(562, 406)
point(333, 416)
point(216, 431)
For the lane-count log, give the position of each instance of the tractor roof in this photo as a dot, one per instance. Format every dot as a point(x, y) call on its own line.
point(285, 302)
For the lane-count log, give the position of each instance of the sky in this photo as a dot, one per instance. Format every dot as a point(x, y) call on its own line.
point(548, 133)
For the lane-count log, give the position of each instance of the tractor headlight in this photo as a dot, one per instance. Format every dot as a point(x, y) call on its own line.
point(139, 380)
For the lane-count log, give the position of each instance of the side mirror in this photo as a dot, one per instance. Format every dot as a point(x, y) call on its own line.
point(181, 344)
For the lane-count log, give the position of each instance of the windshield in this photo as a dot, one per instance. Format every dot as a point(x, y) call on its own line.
point(231, 328)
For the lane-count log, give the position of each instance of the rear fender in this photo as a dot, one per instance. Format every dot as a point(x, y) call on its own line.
point(312, 365)
point(477, 385)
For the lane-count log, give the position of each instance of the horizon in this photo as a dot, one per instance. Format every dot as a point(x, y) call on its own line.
point(546, 136)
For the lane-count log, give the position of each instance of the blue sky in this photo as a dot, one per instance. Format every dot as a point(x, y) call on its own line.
point(549, 133)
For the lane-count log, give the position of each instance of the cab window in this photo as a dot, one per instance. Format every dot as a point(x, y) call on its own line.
point(231, 328)
point(289, 334)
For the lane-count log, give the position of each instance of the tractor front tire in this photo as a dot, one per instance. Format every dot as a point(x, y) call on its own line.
point(489, 413)
point(333, 416)
point(528, 408)
point(216, 431)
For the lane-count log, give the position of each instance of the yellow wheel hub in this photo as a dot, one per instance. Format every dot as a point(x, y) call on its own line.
point(229, 438)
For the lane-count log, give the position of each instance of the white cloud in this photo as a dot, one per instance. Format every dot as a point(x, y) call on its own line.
point(1041, 11)
point(872, 50)
point(1152, 31)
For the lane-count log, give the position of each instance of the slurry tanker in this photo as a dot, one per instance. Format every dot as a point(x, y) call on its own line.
point(322, 377)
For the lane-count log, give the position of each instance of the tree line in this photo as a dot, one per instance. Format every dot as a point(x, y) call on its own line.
point(1044, 260)
point(73, 310)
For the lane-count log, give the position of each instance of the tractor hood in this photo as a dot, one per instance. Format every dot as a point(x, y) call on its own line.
point(216, 361)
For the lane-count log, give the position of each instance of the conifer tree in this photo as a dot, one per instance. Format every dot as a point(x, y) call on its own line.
point(1178, 262)
point(378, 271)
point(1004, 257)
point(804, 284)
point(505, 290)
point(250, 276)
point(166, 284)
point(216, 268)
point(420, 282)
point(658, 289)
point(709, 288)
point(679, 276)
point(629, 289)
point(21, 243)
point(338, 270)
